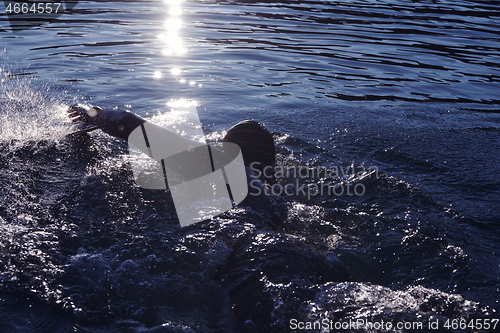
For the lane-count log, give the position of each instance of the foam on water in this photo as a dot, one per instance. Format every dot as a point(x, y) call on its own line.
point(31, 111)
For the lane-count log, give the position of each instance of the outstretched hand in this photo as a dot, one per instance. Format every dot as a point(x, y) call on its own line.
point(118, 123)
point(80, 117)
point(81, 113)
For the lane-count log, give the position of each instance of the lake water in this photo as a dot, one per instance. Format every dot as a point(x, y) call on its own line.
point(404, 93)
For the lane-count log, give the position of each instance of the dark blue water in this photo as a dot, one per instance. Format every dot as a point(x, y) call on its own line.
point(406, 88)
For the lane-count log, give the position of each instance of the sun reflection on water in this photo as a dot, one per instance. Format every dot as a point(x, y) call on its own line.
point(182, 118)
point(172, 44)
point(172, 25)
point(175, 11)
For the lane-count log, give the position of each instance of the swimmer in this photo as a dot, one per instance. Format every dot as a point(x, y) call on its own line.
point(255, 141)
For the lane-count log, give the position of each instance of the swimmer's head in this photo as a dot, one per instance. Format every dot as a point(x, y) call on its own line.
point(255, 141)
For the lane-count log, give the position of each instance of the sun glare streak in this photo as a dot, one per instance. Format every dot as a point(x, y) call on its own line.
point(175, 11)
point(171, 37)
point(173, 23)
point(175, 42)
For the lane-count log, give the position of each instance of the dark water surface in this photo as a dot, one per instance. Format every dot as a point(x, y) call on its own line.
point(406, 93)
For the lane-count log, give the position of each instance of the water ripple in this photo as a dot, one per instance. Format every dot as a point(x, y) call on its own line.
point(412, 51)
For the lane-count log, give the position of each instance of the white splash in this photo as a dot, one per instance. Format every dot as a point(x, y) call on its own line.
point(30, 111)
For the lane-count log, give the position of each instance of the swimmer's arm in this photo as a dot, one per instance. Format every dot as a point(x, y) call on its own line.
point(185, 157)
point(153, 140)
